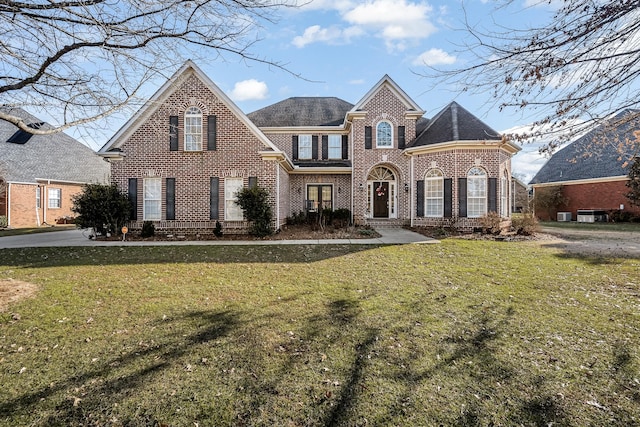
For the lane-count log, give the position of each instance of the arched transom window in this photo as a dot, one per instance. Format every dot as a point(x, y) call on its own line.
point(476, 192)
point(384, 135)
point(193, 129)
point(434, 193)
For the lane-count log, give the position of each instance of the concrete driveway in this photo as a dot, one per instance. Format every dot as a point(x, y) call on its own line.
point(75, 237)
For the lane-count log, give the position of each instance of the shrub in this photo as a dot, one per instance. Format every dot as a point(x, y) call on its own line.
point(101, 207)
point(254, 204)
point(148, 229)
point(342, 217)
point(217, 231)
point(525, 224)
point(490, 223)
point(3, 221)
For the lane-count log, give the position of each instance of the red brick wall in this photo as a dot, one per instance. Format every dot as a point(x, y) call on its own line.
point(22, 204)
point(147, 155)
point(601, 195)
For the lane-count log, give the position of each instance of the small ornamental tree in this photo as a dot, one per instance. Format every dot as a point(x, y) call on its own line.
point(634, 183)
point(549, 200)
point(255, 205)
point(101, 207)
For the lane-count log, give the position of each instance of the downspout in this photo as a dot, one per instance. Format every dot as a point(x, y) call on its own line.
point(353, 186)
point(8, 204)
point(277, 167)
point(411, 189)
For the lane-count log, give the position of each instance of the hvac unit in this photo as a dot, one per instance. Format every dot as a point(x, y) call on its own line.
point(564, 216)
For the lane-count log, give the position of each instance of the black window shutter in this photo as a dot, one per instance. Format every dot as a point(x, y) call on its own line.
point(367, 137)
point(325, 147)
point(462, 197)
point(173, 133)
point(401, 140)
point(493, 195)
point(253, 181)
point(171, 198)
point(420, 198)
point(133, 198)
point(314, 147)
point(213, 197)
point(211, 132)
point(345, 147)
point(448, 197)
point(294, 147)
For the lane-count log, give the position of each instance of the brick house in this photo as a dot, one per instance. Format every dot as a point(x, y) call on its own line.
point(185, 153)
point(39, 174)
point(592, 170)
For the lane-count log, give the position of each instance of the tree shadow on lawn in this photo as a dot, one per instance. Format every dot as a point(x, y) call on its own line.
point(134, 255)
point(139, 364)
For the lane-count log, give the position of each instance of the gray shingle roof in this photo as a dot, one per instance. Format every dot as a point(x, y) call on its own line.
point(594, 155)
point(302, 111)
point(454, 123)
point(57, 156)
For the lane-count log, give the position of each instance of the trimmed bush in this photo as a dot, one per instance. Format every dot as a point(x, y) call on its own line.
point(3, 221)
point(490, 223)
point(101, 207)
point(148, 229)
point(255, 205)
point(525, 224)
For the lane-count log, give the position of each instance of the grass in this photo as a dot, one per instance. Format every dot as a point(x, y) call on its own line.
point(596, 226)
point(464, 333)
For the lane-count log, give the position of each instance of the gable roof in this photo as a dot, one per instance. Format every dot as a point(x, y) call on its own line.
point(388, 82)
point(165, 91)
point(455, 123)
point(302, 111)
point(56, 157)
point(594, 155)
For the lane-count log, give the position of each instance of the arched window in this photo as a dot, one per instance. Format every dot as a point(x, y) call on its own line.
point(434, 193)
point(384, 135)
point(476, 192)
point(193, 129)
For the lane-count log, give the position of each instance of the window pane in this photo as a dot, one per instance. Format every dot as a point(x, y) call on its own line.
point(54, 197)
point(232, 211)
point(434, 194)
point(193, 129)
point(335, 146)
point(152, 199)
point(304, 146)
point(383, 135)
point(326, 197)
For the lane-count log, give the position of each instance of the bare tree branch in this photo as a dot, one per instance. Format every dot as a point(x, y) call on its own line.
point(579, 69)
point(86, 59)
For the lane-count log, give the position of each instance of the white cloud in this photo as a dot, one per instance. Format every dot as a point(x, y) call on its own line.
point(331, 35)
point(434, 57)
point(356, 82)
point(395, 21)
point(249, 90)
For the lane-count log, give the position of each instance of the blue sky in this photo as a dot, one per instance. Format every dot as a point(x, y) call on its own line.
point(342, 48)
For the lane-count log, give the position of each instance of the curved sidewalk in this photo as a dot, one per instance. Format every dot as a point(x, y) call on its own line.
point(395, 236)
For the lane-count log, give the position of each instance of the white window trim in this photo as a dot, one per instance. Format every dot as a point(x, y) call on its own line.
point(193, 113)
point(232, 212)
point(337, 139)
point(145, 200)
point(504, 196)
point(391, 134)
point(306, 138)
point(431, 179)
point(482, 198)
point(57, 196)
point(38, 196)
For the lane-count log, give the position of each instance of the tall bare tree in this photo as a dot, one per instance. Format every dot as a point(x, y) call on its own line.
point(81, 60)
point(575, 70)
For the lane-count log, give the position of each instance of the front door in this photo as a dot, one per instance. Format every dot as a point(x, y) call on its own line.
point(380, 199)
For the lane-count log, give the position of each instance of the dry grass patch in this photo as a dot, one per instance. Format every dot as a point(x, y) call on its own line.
point(14, 290)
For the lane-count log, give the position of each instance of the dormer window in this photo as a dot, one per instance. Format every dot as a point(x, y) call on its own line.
point(384, 135)
point(193, 129)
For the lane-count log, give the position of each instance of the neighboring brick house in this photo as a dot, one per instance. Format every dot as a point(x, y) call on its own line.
point(185, 153)
point(593, 170)
point(39, 174)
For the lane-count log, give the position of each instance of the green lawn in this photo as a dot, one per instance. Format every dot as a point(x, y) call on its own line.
point(462, 333)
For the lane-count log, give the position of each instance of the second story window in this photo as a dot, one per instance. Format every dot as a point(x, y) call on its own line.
point(335, 146)
point(304, 147)
point(384, 135)
point(193, 129)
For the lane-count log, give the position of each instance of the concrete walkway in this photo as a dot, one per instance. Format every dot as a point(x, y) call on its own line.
point(395, 236)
